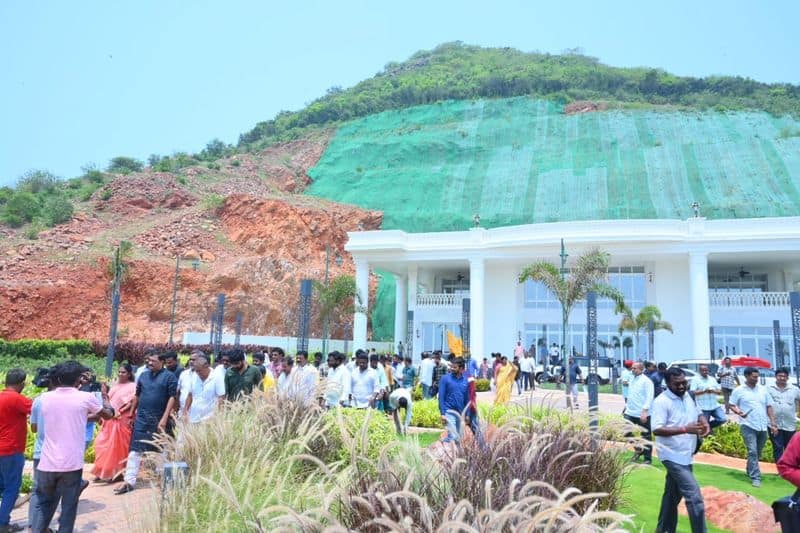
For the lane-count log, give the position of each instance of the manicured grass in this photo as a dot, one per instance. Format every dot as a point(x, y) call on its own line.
point(645, 485)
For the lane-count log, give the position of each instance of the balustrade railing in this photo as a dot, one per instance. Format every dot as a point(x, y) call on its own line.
point(748, 299)
point(440, 300)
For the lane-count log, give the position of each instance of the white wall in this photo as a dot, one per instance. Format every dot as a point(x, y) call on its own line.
point(671, 283)
point(502, 319)
point(289, 344)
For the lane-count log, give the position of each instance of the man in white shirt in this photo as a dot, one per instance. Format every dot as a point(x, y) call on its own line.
point(753, 403)
point(786, 398)
point(363, 383)
point(383, 382)
point(337, 384)
point(185, 379)
point(626, 378)
point(289, 382)
point(677, 422)
point(526, 369)
point(307, 377)
point(640, 399)
point(206, 392)
point(426, 374)
point(706, 389)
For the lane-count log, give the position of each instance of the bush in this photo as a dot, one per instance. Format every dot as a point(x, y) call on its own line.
point(37, 181)
point(212, 202)
point(23, 206)
point(356, 433)
point(425, 414)
point(482, 385)
point(727, 440)
point(57, 209)
point(45, 349)
point(124, 165)
point(32, 231)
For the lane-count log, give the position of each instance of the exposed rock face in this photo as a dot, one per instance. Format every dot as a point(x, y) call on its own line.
point(256, 247)
point(735, 511)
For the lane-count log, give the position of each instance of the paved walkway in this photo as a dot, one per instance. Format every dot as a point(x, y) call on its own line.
point(99, 509)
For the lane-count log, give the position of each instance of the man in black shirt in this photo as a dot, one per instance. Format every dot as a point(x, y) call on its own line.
point(155, 400)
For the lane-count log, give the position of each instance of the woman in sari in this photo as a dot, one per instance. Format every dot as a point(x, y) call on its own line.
point(506, 373)
point(112, 443)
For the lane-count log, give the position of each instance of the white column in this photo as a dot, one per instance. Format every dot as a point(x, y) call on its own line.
point(360, 317)
point(400, 309)
point(477, 284)
point(788, 280)
point(698, 294)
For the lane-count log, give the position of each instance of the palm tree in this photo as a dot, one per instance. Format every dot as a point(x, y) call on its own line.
point(636, 324)
point(589, 274)
point(337, 298)
point(627, 344)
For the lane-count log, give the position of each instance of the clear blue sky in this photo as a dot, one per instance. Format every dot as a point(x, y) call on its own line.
point(83, 81)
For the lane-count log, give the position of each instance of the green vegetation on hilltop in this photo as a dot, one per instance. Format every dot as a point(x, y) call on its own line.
point(455, 71)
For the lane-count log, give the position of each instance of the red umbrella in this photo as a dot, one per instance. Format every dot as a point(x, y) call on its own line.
point(756, 362)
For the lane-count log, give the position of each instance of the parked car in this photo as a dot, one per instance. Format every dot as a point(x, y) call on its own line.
point(691, 368)
point(605, 370)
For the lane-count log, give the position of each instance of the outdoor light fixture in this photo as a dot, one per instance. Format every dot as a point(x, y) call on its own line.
point(339, 260)
point(650, 277)
point(195, 264)
point(417, 332)
point(476, 220)
point(696, 209)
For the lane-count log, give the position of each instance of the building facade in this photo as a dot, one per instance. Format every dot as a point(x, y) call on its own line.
point(722, 284)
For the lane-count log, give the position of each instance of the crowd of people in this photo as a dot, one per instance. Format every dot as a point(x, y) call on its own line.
point(159, 395)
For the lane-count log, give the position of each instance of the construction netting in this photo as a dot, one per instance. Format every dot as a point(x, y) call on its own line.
point(521, 160)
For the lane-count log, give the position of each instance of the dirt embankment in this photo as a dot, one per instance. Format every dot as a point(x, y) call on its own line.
point(255, 247)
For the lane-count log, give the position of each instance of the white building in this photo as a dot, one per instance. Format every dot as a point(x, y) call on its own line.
point(717, 281)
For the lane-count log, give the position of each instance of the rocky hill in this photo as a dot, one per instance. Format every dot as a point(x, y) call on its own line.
point(253, 236)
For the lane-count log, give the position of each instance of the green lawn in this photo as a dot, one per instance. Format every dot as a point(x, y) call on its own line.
point(645, 485)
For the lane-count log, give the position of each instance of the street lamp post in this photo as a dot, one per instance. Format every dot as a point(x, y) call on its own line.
point(339, 261)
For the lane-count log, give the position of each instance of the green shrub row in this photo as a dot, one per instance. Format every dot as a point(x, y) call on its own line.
point(727, 440)
point(45, 349)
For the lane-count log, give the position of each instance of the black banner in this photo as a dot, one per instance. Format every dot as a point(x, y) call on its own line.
point(591, 352)
point(794, 302)
point(304, 315)
point(777, 345)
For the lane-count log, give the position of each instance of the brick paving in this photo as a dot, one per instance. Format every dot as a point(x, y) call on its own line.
point(99, 509)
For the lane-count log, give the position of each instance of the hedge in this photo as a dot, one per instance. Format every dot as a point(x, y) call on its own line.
point(46, 349)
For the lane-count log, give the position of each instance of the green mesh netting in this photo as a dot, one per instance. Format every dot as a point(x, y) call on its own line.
point(520, 160)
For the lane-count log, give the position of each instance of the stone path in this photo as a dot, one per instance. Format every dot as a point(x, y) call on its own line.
point(99, 509)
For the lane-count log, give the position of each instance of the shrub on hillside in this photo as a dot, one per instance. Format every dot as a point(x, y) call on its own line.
point(124, 165)
point(22, 206)
point(57, 209)
point(37, 181)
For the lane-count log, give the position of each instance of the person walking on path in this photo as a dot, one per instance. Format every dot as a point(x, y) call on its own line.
point(640, 400)
point(526, 367)
point(112, 445)
point(753, 403)
point(677, 423)
point(409, 374)
point(574, 378)
point(728, 379)
point(453, 399)
point(65, 411)
point(706, 389)
point(426, 368)
point(505, 376)
point(14, 411)
point(785, 398)
point(626, 378)
point(155, 400)
point(206, 392)
point(240, 378)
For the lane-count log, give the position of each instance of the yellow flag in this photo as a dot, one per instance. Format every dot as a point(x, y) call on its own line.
point(455, 344)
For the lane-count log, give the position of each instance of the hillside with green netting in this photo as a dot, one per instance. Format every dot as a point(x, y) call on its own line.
point(523, 160)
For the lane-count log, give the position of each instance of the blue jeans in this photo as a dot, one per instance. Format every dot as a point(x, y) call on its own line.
point(10, 481)
point(50, 488)
point(32, 501)
point(453, 427)
point(754, 441)
point(680, 483)
point(780, 442)
point(717, 414)
point(426, 391)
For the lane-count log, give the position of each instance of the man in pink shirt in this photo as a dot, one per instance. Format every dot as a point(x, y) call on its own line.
point(65, 411)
